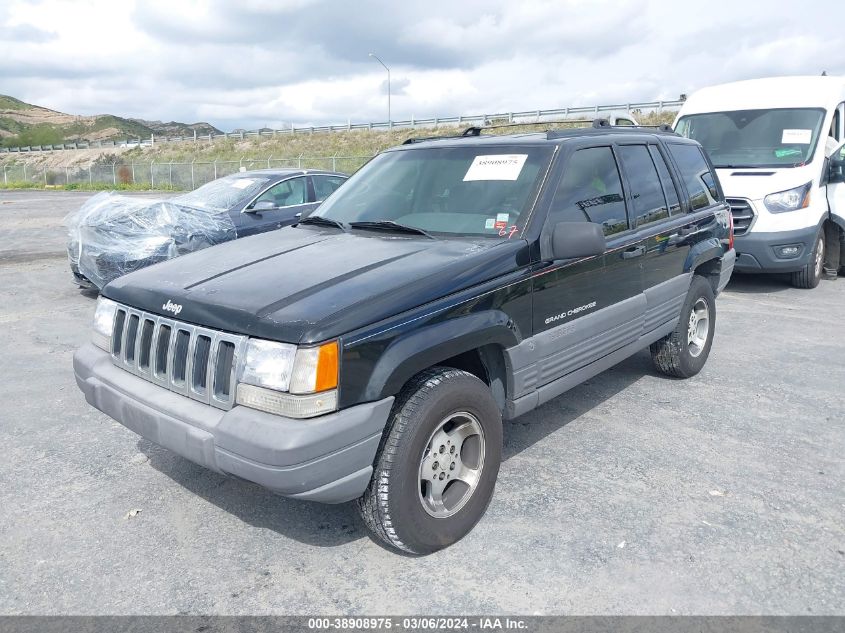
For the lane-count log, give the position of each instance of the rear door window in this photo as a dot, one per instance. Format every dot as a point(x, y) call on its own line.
point(591, 189)
point(648, 204)
point(696, 174)
point(669, 189)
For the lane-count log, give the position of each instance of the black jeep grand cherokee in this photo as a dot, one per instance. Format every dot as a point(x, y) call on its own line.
point(372, 351)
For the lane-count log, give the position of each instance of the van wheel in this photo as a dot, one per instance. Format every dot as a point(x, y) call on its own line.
point(437, 464)
point(683, 353)
point(809, 276)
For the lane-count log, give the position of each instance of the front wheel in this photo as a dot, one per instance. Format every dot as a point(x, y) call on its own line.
point(683, 353)
point(436, 468)
point(810, 275)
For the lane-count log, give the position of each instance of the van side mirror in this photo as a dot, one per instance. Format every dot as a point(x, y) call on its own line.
point(836, 170)
point(577, 239)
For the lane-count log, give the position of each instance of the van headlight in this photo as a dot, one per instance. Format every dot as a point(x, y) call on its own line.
point(283, 379)
point(789, 200)
point(103, 323)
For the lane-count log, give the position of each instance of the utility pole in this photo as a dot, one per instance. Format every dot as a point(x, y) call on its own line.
point(378, 59)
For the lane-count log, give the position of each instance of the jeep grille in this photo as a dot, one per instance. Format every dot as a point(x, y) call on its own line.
point(186, 359)
point(743, 215)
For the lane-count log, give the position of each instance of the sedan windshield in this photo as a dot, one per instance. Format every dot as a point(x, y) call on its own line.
point(443, 190)
point(756, 138)
point(223, 193)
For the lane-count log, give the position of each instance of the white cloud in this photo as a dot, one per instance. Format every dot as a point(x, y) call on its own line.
point(260, 62)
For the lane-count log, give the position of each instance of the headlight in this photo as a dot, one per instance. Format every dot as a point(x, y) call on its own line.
point(281, 379)
point(103, 323)
point(789, 200)
point(268, 364)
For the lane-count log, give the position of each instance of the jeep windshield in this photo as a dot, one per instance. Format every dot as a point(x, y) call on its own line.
point(784, 137)
point(472, 190)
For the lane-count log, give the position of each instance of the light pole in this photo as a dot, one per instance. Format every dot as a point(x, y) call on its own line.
point(378, 59)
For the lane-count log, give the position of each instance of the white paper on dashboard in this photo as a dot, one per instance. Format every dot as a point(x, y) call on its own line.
point(796, 137)
point(242, 183)
point(496, 167)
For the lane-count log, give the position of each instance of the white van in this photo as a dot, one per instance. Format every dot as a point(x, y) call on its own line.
point(769, 140)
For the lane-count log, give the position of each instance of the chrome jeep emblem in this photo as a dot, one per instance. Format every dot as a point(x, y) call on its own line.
point(175, 308)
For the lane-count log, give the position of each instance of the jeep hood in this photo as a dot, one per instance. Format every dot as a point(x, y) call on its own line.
point(310, 284)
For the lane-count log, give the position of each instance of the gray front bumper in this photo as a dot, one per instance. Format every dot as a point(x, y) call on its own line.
point(756, 252)
point(327, 459)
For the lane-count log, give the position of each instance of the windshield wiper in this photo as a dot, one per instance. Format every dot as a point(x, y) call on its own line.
point(320, 220)
point(390, 225)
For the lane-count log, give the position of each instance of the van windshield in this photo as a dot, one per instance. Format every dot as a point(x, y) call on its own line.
point(784, 137)
point(473, 190)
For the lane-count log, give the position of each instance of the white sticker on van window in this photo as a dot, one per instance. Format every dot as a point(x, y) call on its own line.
point(496, 167)
point(242, 183)
point(796, 137)
point(490, 223)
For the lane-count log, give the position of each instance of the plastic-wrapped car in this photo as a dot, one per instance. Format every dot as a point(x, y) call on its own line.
point(113, 234)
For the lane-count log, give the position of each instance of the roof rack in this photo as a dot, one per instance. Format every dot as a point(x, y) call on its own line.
point(476, 130)
point(605, 126)
point(597, 123)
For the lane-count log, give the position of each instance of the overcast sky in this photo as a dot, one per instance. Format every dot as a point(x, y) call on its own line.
point(249, 63)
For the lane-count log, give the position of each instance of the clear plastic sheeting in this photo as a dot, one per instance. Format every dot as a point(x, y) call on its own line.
point(112, 235)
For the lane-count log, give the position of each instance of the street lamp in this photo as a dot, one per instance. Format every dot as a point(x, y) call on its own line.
point(378, 59)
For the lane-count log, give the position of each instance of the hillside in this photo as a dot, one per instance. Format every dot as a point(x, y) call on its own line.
point(174, 128)
point(23, 124)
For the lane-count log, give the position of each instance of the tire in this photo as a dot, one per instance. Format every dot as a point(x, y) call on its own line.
point(810, 275)
point(399, 506)
point(682, 354)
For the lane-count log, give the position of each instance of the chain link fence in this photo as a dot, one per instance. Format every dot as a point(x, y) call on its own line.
point(158, 175)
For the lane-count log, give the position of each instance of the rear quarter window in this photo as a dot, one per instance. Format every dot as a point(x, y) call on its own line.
point(696, 174)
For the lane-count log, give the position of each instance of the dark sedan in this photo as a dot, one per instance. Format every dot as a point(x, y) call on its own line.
point(112, 234)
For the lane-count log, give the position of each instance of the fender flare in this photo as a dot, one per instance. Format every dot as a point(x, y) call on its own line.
point(838, 221)
point(419, 349)
point(704, 251)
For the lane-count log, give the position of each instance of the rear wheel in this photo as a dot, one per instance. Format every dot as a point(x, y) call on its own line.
point(810, 275)
point(683, 353)
point(436, 468)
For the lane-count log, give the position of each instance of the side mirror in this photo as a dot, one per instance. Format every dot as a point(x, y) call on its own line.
point(262, 205)
point(836, 171)
point(577, 239)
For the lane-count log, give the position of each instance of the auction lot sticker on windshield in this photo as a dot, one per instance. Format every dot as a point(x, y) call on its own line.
point(797, 137)
point(242, 183)
point(496, 167)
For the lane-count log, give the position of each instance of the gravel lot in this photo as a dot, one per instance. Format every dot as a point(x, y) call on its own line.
point(632, 494)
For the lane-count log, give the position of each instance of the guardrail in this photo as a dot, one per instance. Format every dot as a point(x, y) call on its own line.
point(482, 119)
